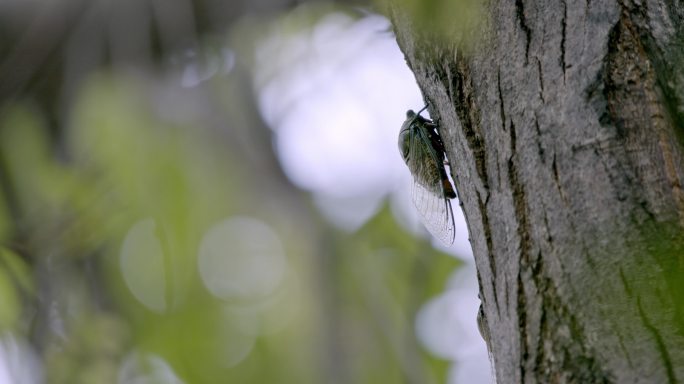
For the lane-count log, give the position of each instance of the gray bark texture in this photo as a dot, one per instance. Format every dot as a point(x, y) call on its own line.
point(564, 126)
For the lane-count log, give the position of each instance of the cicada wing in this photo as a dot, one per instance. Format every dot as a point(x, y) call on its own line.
point(428, 192)
point(436, 213)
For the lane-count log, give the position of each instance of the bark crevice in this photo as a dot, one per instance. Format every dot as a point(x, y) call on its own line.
point(490, 246)
point(564, 26)
point(502, 110)
point(520, 15)
point(540, 76)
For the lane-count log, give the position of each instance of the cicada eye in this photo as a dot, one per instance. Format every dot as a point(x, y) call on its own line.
point(404, 143)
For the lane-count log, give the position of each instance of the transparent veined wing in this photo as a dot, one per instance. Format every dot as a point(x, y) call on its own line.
point(429, 195)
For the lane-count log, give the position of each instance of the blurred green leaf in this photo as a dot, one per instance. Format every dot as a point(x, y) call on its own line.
point(18, 270)
point(41, 185)
point(448, 20)
point(5, 220)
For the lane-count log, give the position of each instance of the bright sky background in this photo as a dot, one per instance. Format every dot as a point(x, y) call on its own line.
point(336, 96)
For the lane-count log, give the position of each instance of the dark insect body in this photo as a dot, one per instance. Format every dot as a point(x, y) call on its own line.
point(422, 149)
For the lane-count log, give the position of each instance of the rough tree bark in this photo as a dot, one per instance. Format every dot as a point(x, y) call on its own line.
point(564, 128)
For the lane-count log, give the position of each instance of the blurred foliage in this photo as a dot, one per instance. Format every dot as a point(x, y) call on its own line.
point(446, 20)
point(15, 283)
point(105, 225)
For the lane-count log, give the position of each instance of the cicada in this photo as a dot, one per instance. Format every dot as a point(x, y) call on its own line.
point(422, 149)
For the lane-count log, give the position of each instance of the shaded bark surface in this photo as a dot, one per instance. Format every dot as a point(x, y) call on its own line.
point(564, 129)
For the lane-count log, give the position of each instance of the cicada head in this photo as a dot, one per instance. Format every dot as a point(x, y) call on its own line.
point(405, 135)
point(404, 143)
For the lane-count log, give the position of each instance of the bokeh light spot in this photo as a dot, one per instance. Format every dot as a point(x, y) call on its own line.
point(138, 368)
point(241, 259)
point(142, 265)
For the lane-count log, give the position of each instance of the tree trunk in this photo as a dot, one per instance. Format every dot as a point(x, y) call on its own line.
point(564, 129)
